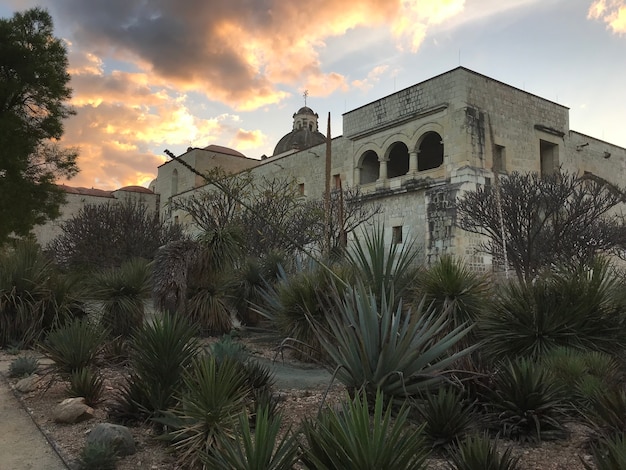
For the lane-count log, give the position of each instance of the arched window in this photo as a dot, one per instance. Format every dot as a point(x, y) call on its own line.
point(370, 167)
point(398, 162)
point(174, 182)
point(430, 152)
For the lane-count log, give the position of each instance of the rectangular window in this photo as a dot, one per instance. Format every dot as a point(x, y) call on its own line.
point(549, 157)
point(301, 189)
point(499, 159)
point(337, 181)
point(396, 235)
point(176, 219)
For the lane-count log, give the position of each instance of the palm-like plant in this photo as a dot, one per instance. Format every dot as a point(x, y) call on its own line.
point(258, 449)
point(609, 453)
point(375, 346)
point(122, 292)
point(351, 439)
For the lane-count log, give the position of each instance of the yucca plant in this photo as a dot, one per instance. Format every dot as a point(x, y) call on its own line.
point(23, 366)
point(213, 397)
point(450, 284)
point(74, 346)
point(478, 452)
point(297, 305)
point(388, 270)
point(33, 295)
point(260, 448)
point(605, 412)
point(122, 292)
point(96, 456)
point(560, 309)
point(375, 346)
point(525, 403)
point(609, 453)
point(88, 384)
point(159, 353)
point(352, 439)
point(447, 416)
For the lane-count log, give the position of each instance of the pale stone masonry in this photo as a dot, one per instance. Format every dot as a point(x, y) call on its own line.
point(414, 152)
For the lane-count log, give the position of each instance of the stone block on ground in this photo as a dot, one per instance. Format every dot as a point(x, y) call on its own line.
point(114, 435)
point(72, 410)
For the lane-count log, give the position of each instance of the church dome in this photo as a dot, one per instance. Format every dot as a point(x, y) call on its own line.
point(304, 133)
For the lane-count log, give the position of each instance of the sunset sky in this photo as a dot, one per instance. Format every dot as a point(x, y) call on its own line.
point(154, 74)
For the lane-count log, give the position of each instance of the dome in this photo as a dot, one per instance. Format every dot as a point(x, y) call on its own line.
point(299, 139)
point(304, 133)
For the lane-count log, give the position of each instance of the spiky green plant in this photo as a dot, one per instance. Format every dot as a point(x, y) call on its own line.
point(97, 456)
point(375, 346)
point(74, 345)
point(609, 453)
point(478, 452)
point(122, 292)
point(447, 416)
point(605, 412)
point(571, 309)
point(33, 295)
point(352, 439)
point(525, 403)
point(23, 366)
point(450, 284)
point(387, 270)
point(88, 384)
point(159, 353)
point(258, 449)
point(213, 397)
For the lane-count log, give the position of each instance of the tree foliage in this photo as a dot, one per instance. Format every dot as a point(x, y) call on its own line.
point(33, 95)
point(557, 219)
point(105, 235)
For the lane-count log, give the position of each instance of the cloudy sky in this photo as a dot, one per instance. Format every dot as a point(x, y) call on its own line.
point(154, 74)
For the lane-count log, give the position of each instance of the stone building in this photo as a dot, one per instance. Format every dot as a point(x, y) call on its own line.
point(413, 152)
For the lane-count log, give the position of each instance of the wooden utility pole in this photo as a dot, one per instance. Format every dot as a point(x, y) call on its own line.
point(327, 193)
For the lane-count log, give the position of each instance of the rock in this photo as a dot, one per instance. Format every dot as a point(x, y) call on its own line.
point(72, 410)
point(27, 384)
point(114, 435)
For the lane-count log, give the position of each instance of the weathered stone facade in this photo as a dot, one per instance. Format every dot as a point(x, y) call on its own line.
point(415, 151)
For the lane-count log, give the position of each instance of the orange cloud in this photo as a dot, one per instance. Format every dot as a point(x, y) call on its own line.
point(248, 139)
point(373, 77)
point(612, 12)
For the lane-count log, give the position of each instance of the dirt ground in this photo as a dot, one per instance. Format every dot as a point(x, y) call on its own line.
point(300, 386)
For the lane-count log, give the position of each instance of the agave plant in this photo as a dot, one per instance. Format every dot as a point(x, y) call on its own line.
point(375, 346)
point(122, 292)
point(213, 397)
point(351, 439)
point(478, 452)
point(525, 403)
point(605, 412)
point(23, 366)
point(260, 448)
point(88, 384)
point(159, 353)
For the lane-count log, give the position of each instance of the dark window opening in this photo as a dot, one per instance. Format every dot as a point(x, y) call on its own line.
point(396, 235)
point(301, 189)
point(337, 181)
point(549, 156)
point(430, 152)
point(370, 167)
point(398, 162)
point(499, 159)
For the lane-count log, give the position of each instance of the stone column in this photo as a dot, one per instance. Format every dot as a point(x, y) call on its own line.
point(413, 162)
point(382, 170)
